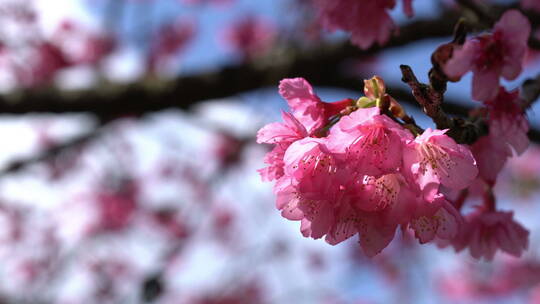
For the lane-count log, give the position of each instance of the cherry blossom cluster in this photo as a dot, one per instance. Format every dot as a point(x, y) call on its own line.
point(346, 168)
point(364, 167)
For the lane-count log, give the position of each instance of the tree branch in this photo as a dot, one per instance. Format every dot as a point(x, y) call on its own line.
point(318, 64)
point(52, 152)
point(431, 101)
point(532, 86)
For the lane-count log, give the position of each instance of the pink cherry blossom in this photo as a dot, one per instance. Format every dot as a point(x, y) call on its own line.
point(379, 193)
point(491, 156)
point(433, 158)
point(370, 142)
point(116, 208)
point(367, 21)
point(304, 103)
point(313, 185)
point(249, 36)
point(287, 132)
point(81, 45)
point(274, 159)
point(170, 40)
point(332, 200)
point(282, 135)
point(323, 194)
point(490, 56)
point(489, 231)
point(436, 219)
point(375, 234)
point(306, 106)
point(367, 175)
point(508, 129)
point(507, 121)
point(48, 60)
point(375, 211)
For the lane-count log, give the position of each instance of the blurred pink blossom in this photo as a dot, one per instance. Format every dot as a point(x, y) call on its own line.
point(367, 21)
point(250, 36)
point(490, 56)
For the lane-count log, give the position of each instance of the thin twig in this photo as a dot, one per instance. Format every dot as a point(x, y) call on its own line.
point(429, 99)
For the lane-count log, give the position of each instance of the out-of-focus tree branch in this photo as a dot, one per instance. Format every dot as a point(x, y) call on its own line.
point(530, 93)
point(55, 151)
point(320, 65)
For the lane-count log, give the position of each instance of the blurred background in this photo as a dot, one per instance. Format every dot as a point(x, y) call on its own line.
point(128, 158)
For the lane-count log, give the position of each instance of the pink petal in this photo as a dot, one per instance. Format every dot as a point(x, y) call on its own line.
point(284, 191)
point(378, 193)
point(402, 211)
point(515, 134)
point(276, 132)
point(424, 228)
point(491, 155)
point(305, 105)
point(357, 118)
point(296, 91)
point(512, 67)
point(462, 171)
point(344, 227)
point(448, 225)
point(373, 239)
point(475, 246)
point(485, 84)
point(407, 8)
point(290, 210)
point(515, 28)
point(321, 220)
point(305, 227)
point(462, 59)
point(274, 159)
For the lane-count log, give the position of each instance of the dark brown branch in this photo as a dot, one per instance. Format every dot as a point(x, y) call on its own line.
point(452, 107)
point(429, 99)
point(431, 102)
